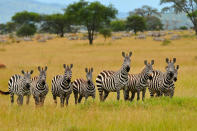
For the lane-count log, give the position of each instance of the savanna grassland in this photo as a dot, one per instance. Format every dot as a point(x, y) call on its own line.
point(178, 113)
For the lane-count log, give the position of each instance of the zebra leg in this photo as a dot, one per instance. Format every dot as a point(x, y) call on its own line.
point(62, 99)
point(106, 93)
point(27, 101)
point(132, 96)
point(55, 99)
point(126, 94)
point(42, 100)
point(76, 97)
point(20, 100)
point(67, 99)
point(138, 95)
point(36, 100)
point(93, 97)
point(143, 93)
point(86, 98)
point(101, 94)
point(80, 98)
point(118, 95)
point(12, 98)
point(151, 94)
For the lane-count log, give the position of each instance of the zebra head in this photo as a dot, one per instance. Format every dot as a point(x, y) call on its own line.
point(149, 69)
point(170, 68)
point(27, 78)
point(89, 75)
point(42, 76)
point(68, 72)
point(127, 61)
point(176, 73)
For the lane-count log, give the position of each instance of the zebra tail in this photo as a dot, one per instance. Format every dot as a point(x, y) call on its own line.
point(4, 93)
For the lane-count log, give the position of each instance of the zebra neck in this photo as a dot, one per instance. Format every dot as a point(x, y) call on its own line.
point(143, 77)
point(91, 86)
point(40, 86)
point(168, 79)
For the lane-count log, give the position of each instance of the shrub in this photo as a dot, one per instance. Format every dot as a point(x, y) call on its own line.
point(166, 42)
point(26, 30)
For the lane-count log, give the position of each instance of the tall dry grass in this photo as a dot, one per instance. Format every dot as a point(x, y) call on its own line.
point(179, 113)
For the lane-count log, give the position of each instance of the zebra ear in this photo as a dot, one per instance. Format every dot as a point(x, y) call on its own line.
point(71, 66)
point(31, 72)
point(152, 62)
point(167, 60)
point(23, 72)
point(45, 68)
point(38, 68)
point(174, 60)
point(64, 65)
point(91, 69)
point(123, 54)
point(130, 54)
point(177, 67)
point(145, 62)
point(86, 70)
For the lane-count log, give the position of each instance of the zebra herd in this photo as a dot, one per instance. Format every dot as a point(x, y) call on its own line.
point(159, 83)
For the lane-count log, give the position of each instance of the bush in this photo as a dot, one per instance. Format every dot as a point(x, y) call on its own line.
point(26, 30)
point(183, 28)
point(118, 25)
point(106, 32)
point(166, 42)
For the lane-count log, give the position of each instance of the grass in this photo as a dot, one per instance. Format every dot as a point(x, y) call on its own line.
point(178, 113)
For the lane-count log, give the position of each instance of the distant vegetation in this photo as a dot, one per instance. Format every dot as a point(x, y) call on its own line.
point(89, 16)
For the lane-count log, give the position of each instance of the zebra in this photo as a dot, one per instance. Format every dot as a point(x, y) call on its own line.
point(163, 83)
point(138, 82)
point(110, 81)
point(61, 85)
point(19, 85)
point(39, 87)
point(84, 88)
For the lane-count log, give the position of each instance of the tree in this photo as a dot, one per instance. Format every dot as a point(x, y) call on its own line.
point(146, 11)
point(9, 27)
point(26, 23)
point(55, 23)
point(183, 28)
point(153, 23)
point(26, 30)
point(118, 25)
point(2, 28)
point(26, 18)
point(186, 6)
point(92, 15)
point(106, 32)
point(135, 23)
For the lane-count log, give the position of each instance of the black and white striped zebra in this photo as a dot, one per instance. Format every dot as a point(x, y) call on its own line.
point(84, 88)
point(110, 81)
point(138, 82)
point(163, 83)
point(61, 85)
point(19, 85)
point(39, 87)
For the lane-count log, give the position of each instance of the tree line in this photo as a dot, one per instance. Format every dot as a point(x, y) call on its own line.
point(95, 17)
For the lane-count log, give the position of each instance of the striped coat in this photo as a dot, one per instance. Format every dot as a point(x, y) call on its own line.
point(138, 82)
point(39, 87)
point(107, 81)
point(19, 85)
point(61, 86)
